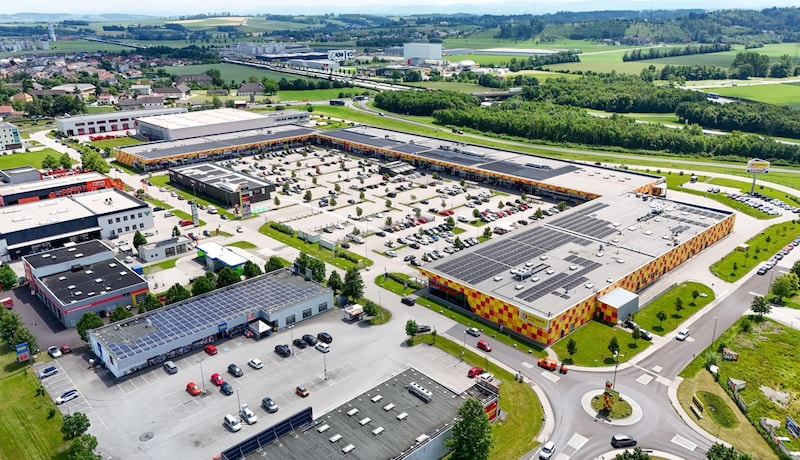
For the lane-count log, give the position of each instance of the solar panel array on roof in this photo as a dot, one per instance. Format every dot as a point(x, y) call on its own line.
point(582, 222)
point(410, 148)
point(365, 139)
point(169, 148)
point(519, 170)
point(565, 281)
point(522, 247)
point(194, 314)
point(452, 157)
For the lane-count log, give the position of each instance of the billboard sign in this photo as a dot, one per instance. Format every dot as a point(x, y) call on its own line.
point(23, 352)
point(195, 215)
point(756, 166)
point(792, 426)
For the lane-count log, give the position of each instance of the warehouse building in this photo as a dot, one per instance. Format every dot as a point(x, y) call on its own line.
point(79, 278)
point(278, 299)
point(210, 122)
point(20, 175)
point(408, 416)
point(105, 122)
point(47, 187)
point(164, 249)
point(223, 185)
point(546, 280)
point(45, 225)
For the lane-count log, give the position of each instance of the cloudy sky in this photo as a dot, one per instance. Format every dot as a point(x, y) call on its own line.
point(187, 7)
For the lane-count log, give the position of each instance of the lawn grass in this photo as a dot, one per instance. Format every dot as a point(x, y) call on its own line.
point(762, 246)
point(716, 407)
point(592, 339)
point(392, 285)
point(770, 94)
point(242, 245)
point(647, 317)
point(676, 181)
point(516, 435)
point(162, 180)
point(620, 410)
point(161, 266)
point(314, 249)
point(766, 362)
point(469, 320)
point(156, 202)
point(34, 159)
point(26, 430)
point(231, 72)
point(116, 142)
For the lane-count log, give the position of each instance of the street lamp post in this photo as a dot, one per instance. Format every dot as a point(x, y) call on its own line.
point(291, 333)
point(238, 401)
point(714, 334)
point(202, 379)
point(325, 365)
point(616, 365)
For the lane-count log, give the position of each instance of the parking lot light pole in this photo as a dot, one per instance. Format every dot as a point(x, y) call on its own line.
point(325, 365)
point(291, 333)
point(238, 401)
point(616, 365)
point(202, 379)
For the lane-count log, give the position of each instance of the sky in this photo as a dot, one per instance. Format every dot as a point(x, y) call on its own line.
point(189, 7)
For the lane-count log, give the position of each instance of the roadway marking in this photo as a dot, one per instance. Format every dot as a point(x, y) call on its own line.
point(645, 379)
point(527, 365)
point(551, 376)
point(755, 294)
point(683, 442)
point(657, 369)
point(577, 441)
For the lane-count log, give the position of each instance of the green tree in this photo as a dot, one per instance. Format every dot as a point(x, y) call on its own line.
point(613, 345)
point(50, 162)
point(388, 221)
point(450, 221)
point(359, 211)
point(201, 285)
point(636, 334)
point(83, 448)
point(784, 286)
point(277, 201)
point(119, 314)
point(411, 329)
point(388, 204)
point(562, 205)
point(175, 294)
point(472, 433)
point(307, 196)
point(251, 270)
point(636, 454)
point(796, 268)
point(458, 244)
point(92, 161)
point(88, 321)
point(760, 306)
point(273, 263)
point(721, 452)
point(226, 277)
point(370, 308)
point(65, 161)
point(335, 281)
point(74, 425)
point(476, 213)
point(695, 295)
point(176, 231)
point(8, 279)
point(572, 347)
point(661, 315)
point(353, 284)
point(150, 302)
point(678, 305)
point(538, 213)
point(138, 239)
point(487, 232)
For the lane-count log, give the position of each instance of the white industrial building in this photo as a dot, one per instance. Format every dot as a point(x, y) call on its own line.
point(277, 299)
point(9, 137)
point(417, 53)
point(316, 64)
point(210, 122)
point(340, 55)
point(106, 122)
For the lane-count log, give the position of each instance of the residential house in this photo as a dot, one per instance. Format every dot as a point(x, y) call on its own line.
point(199, 78)
point(250, 89)
point(174, 92)
point(82, 89)
point(106, 99)
point(142, 102)
point(21, 97)
point(141, 90)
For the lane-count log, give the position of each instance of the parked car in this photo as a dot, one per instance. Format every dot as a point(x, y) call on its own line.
point(210, 350)
point(299, 343)
point(232, 423)
point(423, 328)
point(301, 391)
point(235, 370)
point(283, 350)
point(645, 334)
point(48, 372)
point(488, 376)
point(54, 352)
point(68, 395)
point(310, 339)
point(408, 301)
point(170, 367)
point(325, 337)
point(475, 371)
point(217, 379)
point(192, 389)
point(247, 415)
point(255, 363)
point(226, 388)
point(323, 347)
point(269, 405)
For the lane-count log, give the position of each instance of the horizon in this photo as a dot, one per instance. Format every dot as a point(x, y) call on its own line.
point(311, 7)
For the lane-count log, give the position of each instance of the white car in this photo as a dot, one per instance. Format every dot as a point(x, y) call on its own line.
point(488, 376)
point(54, 352)
point(682, 334)
point(338, 226)
point(391, 254)
point(239, 229)
point(547, 450)
point(67, 396)
point(323, 347)
point(247, 415)
point(255, 363)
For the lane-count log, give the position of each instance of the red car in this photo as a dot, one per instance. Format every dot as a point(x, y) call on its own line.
point(66, 349)
point(186, 223)
point(192, 389)
point(217, 379)
point(475, 371)
point(210, 349)
point(484, 345)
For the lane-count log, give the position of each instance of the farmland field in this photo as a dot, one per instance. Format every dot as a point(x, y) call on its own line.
point(771, 94)
point(230, 72)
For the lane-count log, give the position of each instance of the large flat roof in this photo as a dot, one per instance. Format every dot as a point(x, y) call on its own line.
point(218, 142)
point(49, 182)
point(201, 118)
point(567, 258)
point(92, 280)
point(107, 200)
point(68, 252)
point(20, 217)
point(397, 436)
point(220, 177)
point(119, 114)
point(269, 292)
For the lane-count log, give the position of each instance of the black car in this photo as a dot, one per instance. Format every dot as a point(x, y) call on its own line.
point(157, 208)
point(629, 324)
point(226, 388)
point(622, 440)
point(408, 301)
point(325, 337)
point(299, 343)
point(423, 328)
point(235, 370)
point(310, 339)
point(414, 245)
point(345, 245)
point(381, 234)
point(269, 405)
point(283, 350)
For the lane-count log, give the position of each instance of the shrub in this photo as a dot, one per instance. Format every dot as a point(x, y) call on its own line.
point(282, 228)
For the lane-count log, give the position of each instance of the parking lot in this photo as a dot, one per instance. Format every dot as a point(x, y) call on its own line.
point(176, 424)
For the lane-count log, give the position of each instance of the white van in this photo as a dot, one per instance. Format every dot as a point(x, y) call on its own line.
point(232, 423)
point(682, 334)
point(212, 210)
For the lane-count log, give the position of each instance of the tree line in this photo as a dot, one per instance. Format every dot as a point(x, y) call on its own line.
point(612, 93)
point(423, 103)
point(752, 117)
point(657, 53)
point(559, 123)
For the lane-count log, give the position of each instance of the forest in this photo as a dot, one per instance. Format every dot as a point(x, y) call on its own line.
point(559, 123)
point(688, 50)
point(744, 116)
point(422, 103)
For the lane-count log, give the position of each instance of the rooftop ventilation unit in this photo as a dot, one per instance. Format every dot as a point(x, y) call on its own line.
point(348, 448)
point(323, 428)
point(388, 407)
point(352, 412)
point(377, 431)
point(62, 278)
point(377, 398)
point(422, 438)
point(364, 421)
point(335, 437)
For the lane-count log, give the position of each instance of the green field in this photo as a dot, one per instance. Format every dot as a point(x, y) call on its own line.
point(770, 94)
point(27, 158)
point(230, 72)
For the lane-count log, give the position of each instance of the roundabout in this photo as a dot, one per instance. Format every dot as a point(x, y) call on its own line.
point(635, 409)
